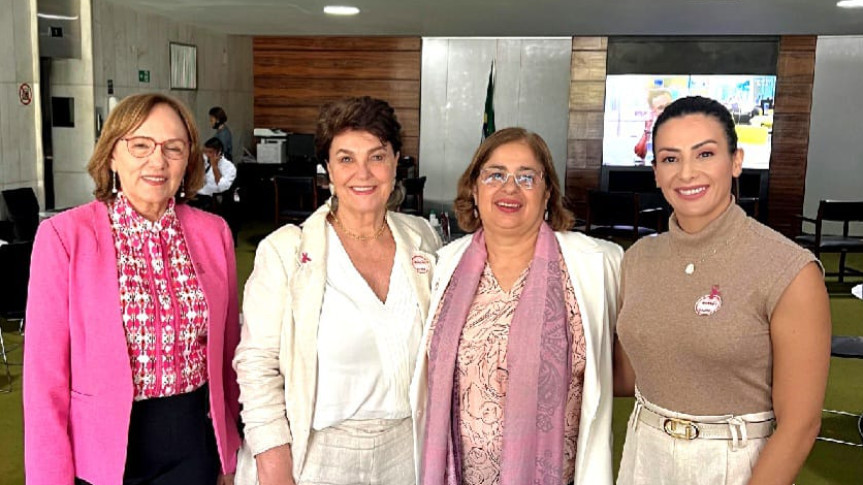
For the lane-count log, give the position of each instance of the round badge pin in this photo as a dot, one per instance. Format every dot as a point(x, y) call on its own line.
point(709, 304)
point(421, 264)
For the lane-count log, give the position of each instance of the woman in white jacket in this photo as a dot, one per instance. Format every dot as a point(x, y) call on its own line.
point(516, 386)
point(333, 317)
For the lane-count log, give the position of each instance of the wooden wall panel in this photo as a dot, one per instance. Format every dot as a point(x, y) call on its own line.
point(788, 158)
point(586, 114)
point(295, 76)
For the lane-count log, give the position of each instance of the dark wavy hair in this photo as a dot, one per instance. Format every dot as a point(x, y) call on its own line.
point(365, 113)
point(559, 218)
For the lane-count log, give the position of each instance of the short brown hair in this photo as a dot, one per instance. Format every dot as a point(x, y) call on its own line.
point(559, 218)
point(129, 114)
point(375, 116)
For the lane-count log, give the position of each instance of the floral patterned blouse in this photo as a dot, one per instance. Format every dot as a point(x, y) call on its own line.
point(164, 311)
point(483, 377)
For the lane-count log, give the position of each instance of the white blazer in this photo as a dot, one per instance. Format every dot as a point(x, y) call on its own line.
point(594, 269)
point(276, 361)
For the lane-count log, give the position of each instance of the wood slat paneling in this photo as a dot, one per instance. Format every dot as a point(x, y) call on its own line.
point(386, 44)
point(794, 97)
point(790, 143)
point(586, 125)
point(590, 43)
point(796, 67)
point(798, 43)
point(302, 119)
point(294, 76)
point(588, 65)
point(274, 91)
point(586, 116)
point(583, 153)
point(339, 64)
point(587, 95)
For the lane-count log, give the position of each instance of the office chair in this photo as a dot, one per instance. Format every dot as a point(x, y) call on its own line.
point(15, 261)
point(23, 210)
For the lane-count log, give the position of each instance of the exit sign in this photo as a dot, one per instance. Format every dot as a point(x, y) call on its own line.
point(143, 76)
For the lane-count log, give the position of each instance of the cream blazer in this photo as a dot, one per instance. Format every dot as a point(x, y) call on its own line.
point(594, 269)
point(276, 361)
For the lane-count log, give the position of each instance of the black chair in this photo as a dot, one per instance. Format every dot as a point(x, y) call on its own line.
point(296, 198)
point(413, 201)
point(749, 205)
point(23, 210)
point(844, 212)
point(847, 347)
point(15, 261)
point(620, 215)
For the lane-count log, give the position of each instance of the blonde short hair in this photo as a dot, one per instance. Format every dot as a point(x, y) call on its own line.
point(129, 114)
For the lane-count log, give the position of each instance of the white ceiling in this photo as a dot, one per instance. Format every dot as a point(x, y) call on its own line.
point(518, 18)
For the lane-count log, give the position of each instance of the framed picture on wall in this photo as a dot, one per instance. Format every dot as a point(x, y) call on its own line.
point(184, 66)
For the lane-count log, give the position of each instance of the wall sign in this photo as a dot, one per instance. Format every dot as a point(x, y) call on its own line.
point(25, 94)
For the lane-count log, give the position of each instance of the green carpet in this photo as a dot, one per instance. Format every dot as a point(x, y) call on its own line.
point(828, 464)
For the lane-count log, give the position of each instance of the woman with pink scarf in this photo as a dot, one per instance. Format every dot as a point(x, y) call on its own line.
point(516, 384)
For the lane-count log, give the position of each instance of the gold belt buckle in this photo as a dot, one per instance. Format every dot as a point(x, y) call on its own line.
point(680, 428)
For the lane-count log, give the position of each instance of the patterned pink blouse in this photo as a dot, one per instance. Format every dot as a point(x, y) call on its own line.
point(483, 377)
point(164, 310)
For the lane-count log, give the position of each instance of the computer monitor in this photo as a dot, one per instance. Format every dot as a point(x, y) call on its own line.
point(301, 145)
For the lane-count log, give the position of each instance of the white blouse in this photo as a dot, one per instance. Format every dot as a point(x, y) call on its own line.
point(367, 349)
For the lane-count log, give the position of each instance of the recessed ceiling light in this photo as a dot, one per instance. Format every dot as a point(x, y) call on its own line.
point(341, 10)
point(49, 16)
point(850, 3)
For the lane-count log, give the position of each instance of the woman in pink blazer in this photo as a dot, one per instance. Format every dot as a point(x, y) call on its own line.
point(132, 318)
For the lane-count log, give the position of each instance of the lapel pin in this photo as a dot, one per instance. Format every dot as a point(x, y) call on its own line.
point(709, 304)
point(304, 258)
point(421, 263)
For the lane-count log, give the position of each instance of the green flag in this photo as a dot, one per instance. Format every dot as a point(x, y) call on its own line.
point(488, 114)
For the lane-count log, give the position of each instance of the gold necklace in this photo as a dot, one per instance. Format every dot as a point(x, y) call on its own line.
point(690, 267)
point(359, 237)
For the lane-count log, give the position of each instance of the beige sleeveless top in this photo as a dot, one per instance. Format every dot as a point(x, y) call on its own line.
point(700, 342)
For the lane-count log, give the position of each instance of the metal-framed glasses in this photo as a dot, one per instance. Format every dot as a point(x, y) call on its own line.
point(144, 146)
point(526, 179)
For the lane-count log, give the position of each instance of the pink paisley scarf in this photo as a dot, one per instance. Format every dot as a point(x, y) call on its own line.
point(539, 361)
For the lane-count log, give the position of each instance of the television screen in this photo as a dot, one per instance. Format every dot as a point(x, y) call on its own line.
point(633, 101)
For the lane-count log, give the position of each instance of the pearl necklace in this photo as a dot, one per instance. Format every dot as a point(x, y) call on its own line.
point(359, 237)
point(689, 269)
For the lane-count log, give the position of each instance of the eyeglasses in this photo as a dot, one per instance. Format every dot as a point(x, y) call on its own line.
point(495, 177)
point(144, 146)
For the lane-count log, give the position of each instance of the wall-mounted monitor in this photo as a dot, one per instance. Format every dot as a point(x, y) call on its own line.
point(633, 101)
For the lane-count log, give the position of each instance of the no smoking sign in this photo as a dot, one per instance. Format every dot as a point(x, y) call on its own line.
point(25, 94)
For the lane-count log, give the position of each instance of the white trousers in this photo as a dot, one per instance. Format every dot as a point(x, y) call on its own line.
point(652, 457)
point(368, 452)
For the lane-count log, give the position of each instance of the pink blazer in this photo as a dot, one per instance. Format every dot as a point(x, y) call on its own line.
point(77, 377)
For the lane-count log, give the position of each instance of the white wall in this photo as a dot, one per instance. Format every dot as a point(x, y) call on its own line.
point(835, 167)
point(118, 41)
point(531, 90)
point(20, 125)
point(72, 146)
point(127, 40)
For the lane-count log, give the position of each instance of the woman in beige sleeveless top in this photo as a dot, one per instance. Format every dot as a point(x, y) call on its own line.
point(724, 327)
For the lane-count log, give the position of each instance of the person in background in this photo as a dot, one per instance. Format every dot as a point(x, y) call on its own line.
point(218, 121)
point(132, 318)
point(219, 175)
point(333, 316)
point(514, 385)
point(657, 99)
point(724, 325)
